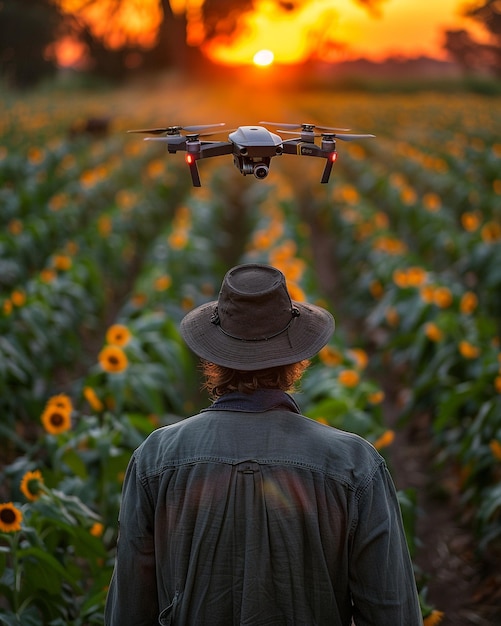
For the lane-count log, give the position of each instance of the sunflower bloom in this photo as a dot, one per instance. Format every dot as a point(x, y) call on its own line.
point(468, 303)
point(61, 401)
point(296, 293)
point(497, 384)
point(330, 356)
point(491, 232)
point(18, 298)
point(104, 226)
point(432, 202)
point(434, 618)
point(392, 316)
point(178, 239)
point(360, 357)
point(495, 447)
point(468, 350)
point(426, 293)
point(56, 420)
point(433, 332)
point(32, 485)
point(442, 297)
point(113, 359)
point(470, 221)
point(118, 335)
point(15, 227)
point(376, 289)
point(96, 529)
point(416, 276)
point(91, 396)
point(62, 262)
point(348, 378)
point(376, 397)
point(7, 307)
point(400, 279)
point(47, 275)
point(10, 518)
point(385, 440)
point(162, 283)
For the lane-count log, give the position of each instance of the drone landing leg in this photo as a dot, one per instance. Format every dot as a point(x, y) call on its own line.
point(327, 171)
point(195, 177)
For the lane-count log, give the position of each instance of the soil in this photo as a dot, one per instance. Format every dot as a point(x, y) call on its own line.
point(463, 583)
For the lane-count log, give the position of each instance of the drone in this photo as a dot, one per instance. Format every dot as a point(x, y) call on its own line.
point(252, 147)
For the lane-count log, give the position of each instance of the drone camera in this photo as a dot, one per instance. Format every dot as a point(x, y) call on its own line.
point(261, 170)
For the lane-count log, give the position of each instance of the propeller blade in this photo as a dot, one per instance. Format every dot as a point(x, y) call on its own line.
point(194, 129)
point(352, 137)
point(344, 137)
point(151, 131)
point(175, 130)
point(172, 141)
point(303, 127)
point(291, 132)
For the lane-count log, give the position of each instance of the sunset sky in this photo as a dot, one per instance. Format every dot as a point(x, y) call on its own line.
point(406, 27)
point(332, 30)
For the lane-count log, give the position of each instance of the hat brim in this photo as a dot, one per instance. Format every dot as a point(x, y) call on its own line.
point(304, 337)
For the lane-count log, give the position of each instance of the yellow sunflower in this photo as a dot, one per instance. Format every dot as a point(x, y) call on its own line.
point(32, 485)
point(61, 401)
point(385, 440)
point(348, 378)
point(113, 359)
point(10, 518)
point(55, 419)
point(434, 618)
point(91, 396)
point(96, 529)
point(118, 335)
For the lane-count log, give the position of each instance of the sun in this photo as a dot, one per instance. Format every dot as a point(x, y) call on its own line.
point(263, 58)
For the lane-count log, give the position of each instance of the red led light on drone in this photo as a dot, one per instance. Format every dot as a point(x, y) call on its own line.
point(190, 159)
point(333, 156)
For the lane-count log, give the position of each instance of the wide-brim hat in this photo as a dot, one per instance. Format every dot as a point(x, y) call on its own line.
point(254, 324)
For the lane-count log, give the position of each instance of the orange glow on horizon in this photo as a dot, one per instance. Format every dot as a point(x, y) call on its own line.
point(323, 30)
point(333, 31)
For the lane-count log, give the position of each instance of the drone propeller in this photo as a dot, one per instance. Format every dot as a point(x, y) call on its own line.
point(305, 127)
point(343, 137)
point(176, 130)
point(351, 137)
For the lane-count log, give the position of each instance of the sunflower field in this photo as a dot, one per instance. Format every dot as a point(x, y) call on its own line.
point(105, 245)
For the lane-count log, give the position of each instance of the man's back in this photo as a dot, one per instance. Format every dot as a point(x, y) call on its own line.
point(261, 519)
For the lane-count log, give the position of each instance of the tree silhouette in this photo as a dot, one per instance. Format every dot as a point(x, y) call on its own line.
point(471, 54)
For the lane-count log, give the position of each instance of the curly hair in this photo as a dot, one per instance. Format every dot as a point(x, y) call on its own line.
point(220, 380)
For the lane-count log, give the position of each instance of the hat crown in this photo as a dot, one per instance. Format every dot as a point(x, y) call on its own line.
point(254, 303)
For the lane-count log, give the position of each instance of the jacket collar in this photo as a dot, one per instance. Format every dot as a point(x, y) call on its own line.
point(257, 402)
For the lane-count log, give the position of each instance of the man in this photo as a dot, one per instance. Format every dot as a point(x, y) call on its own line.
point(249, 513)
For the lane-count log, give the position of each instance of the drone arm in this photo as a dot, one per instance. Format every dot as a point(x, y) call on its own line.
point(211, 149)
point(304, 148)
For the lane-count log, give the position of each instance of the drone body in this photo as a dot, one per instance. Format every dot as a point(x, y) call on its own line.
point(252, 147)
